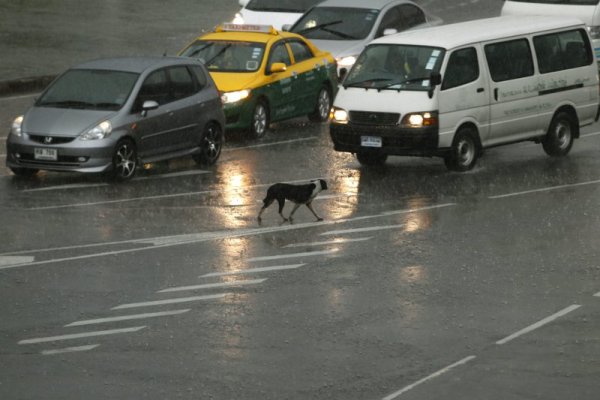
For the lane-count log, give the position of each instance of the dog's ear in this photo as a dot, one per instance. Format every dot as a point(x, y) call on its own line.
point(323, 184)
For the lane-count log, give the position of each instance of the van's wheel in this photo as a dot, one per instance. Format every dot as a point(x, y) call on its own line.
point(211, 144)
point(24, 172)
point(371, 158)
point(323, 106)
point(260, 120)
point(124, 160)
point(464, 152)
point(559, 138)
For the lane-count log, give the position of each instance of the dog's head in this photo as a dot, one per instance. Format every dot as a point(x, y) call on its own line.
point(320, 184)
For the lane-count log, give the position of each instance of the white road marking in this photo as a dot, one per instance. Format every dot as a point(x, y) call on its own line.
point(539, 324)
point(66, 187)
point(11, 260)
point(589, 134)
point(170, 301)
point(254, 146)
point(328, 242)
point(295, 255)
point(126, 318)
point(81, 335)
point(428, 378)
point(212, 285)
point(597, 294)
point(70, 349)
point(253, 270)
point(367, 229)
point(546, 189)
point(22, 96)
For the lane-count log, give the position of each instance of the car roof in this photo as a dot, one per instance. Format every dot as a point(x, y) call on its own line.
point(133, 64)
point(462, 33)
point(371, 4)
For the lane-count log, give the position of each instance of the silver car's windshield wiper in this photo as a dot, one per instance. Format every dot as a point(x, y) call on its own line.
point(320, 26)
point(67, 104)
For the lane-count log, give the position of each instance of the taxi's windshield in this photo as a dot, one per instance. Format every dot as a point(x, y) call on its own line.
point(294, 6)
point(336, 23)
point(395, 67)
point(227, 56)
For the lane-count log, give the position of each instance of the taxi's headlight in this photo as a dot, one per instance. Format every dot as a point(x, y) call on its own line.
point(234, 97)
point(346, 62)
point(339, 116)
point(100, 131)
point(15, 129)
point(238, 19)
point(420, 120)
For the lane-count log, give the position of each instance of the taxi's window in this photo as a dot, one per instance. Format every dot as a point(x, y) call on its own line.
point(300, 51)
point(227, 56)
point(279, 54)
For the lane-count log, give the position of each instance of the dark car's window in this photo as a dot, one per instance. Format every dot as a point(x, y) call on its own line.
point(182, 83)
point(154, 88)
point(462, 68)
point(227, 56)
point(300, 51)
point(562, 50)
point(298, 6)
point(509, 60)
point(89, 90)
point(336, 23)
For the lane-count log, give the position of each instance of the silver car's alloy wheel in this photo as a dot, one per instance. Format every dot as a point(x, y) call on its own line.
point(210, 145)
point(124, 160)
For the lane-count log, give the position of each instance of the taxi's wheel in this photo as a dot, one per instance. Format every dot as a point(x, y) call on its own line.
point(260, 120)
point(124, 160)
point(559, 139)
point(322, 108)
point(211, 144)
point(370, 158)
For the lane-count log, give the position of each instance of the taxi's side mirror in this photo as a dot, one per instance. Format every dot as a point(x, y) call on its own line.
point(277, 67)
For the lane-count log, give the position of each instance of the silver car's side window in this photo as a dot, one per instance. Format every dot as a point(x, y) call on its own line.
point(181, 83)
point(155, 88)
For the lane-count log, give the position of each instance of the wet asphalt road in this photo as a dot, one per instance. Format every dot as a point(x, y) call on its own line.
point(419, 284)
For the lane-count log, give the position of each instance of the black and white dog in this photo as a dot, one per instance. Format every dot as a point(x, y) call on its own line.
point(299, 194)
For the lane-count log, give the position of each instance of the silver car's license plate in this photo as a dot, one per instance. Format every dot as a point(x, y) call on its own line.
point(370, 141)
point(45, 154)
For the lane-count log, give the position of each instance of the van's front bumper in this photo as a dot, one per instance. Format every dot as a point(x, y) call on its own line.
point(395, 140)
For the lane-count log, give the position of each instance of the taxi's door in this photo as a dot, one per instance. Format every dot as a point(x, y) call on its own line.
point(279, 87)
point(306, 81)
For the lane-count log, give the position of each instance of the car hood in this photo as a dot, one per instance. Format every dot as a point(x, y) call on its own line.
point(232, 81)
point(340, 48)
point(50, 121)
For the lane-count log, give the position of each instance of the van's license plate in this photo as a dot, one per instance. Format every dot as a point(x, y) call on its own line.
point(45, 154)
point(370, 141)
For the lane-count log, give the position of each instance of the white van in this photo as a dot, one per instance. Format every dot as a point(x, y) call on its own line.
point(452, 91)
point(586, 10)
point(272, 12)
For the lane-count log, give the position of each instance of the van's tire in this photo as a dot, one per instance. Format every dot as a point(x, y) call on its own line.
point(260, 120)
point(323, 106)
point(561, 133)
point(464, 151)
point(371, 158)
point(124, 161)
point(211, 144)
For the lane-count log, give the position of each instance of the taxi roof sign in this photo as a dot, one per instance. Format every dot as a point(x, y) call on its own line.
point(246, 28)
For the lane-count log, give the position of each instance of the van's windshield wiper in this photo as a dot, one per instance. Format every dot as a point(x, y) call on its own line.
point(411, 80)
point(359, 83)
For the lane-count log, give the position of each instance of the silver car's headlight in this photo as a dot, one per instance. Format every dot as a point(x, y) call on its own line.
point(234, 97)
point(15, 129)
point(100, 131)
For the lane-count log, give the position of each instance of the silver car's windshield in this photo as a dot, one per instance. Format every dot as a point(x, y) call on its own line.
point(227, 56)
point(89, 90)
point(395, 67)
point(297, 6)
point(336, 23)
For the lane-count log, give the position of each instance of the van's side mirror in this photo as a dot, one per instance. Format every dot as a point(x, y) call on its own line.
point(277, 67)
point(435, 79)
point(147, 106)
point(286, 27)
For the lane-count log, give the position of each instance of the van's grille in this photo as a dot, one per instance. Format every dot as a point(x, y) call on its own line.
point(374, 118)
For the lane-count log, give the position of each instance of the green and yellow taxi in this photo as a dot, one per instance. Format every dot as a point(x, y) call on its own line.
point(265, 75)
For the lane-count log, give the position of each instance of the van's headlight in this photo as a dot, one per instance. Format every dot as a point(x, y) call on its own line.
point(594, 31)
point(234, 97)
point(100, 131)
point(420, 120)
point(339, 116)
point(346, 62)
point(15, 129)
point(238, 19)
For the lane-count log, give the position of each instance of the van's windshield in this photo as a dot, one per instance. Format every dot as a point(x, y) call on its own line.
point(566, 2)
point(395, 67)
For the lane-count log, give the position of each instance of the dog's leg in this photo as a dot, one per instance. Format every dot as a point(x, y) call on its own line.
point(281, 201)
point(313, 211)
point(296, 205)
point(267, 203)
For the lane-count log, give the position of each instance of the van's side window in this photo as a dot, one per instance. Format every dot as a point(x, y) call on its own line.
point(462, 68)
point(562, 50)
point(509, 60)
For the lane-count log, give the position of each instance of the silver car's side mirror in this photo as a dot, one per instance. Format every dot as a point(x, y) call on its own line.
point(149, 105)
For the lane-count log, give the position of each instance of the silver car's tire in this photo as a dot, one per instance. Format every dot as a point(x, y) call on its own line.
point(124, 160)
point(323, 106)
point(211, 144)
point(24, 172)
point(260, 120)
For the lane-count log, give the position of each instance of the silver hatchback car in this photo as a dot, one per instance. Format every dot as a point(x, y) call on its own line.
point(111, 115)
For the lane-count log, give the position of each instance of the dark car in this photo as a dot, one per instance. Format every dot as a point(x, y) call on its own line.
point(111, 115)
